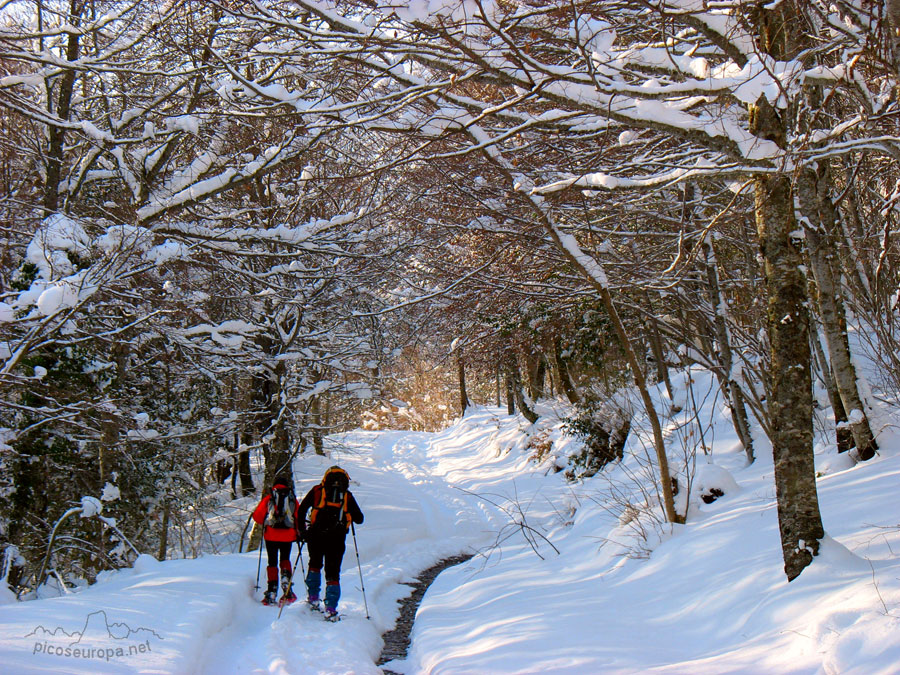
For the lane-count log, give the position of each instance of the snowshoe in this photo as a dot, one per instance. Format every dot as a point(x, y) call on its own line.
point(269, 598)
point(287, 599)
point(314, 604)
point(332, 615)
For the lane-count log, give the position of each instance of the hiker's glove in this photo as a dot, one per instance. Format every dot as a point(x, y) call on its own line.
point(301, 535)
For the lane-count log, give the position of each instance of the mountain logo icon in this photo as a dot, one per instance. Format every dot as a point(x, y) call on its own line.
point(97, 627)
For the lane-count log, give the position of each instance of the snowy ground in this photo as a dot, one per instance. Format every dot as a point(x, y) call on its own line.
point(619, 596)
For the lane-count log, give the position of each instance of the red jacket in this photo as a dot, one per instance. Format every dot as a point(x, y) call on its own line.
point(276, 533)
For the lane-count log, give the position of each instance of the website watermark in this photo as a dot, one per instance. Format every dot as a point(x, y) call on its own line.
point(102, 653)
point(98, 639)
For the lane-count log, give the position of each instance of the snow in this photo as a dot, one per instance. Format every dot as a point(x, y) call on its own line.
point(90, 506)
point(51, 300)
point(602, 585)
point(6, 595)
point(110, 493)
point(167, 251)
point(125, 237)
point(187, 123)
point(57, 236)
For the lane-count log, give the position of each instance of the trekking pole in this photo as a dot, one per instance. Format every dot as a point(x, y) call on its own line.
point(359, 567)
point(291, 580)
point(300, 559)
point(259, 564)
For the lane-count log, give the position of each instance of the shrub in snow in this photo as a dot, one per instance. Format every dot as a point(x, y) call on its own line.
point(711, 482)
point(58, 247)
point(540, 448)
point(603, 429)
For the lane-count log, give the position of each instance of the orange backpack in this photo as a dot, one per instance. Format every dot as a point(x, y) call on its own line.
point(330, 498)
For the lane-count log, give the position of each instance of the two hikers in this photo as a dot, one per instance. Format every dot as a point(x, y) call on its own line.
point(332, 511)
point(279, 511)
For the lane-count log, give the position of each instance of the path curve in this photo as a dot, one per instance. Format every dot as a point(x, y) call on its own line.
point(396, 640)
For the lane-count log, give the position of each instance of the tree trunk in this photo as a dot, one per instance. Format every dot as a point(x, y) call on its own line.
point(164, 533)
point(461, 372)
point(514, 387)
point(565, 377)
point(842, 430)
point(892, 12)
point(790, 405)
point(790, 401)
point(273, 431)
point(503, 370)
point(109, 441)
point(537, 372)
point(56, 135)
point(315, 409)
point(730, 387)
point(656, 348)
point(818, 211)
point(244, 471)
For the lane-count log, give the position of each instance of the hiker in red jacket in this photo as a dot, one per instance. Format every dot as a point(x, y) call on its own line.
point(332, 510)
point(279, 511)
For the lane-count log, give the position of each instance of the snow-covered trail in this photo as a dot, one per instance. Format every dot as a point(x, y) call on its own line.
point(412, 520)
point(204, 615)
point(583, 591)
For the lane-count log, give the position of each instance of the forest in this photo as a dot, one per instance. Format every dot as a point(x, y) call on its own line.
point(232, 228)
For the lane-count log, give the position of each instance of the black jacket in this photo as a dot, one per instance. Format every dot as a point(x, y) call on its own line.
point(309, 501)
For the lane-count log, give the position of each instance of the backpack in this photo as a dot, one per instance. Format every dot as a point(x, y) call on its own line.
point(329, 511)
point(282, 503)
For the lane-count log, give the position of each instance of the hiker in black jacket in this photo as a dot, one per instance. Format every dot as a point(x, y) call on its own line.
point(332, 509)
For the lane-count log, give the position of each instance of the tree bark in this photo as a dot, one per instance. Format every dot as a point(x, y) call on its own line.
point(503, 372)
point(164, 533)
point(461, 372)
point(537, 371)
point(315, 408)
point(565, 377)
point(514, 380)
point(109, 441)
point(790, 405)
point(56, 136)
point(842, 430)
point(819, 219)
point(787, 315)
point(892, 12)
point(276, 442)
point(246, 475)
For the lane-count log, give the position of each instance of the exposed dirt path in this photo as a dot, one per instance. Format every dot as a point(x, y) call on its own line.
point(396, 640)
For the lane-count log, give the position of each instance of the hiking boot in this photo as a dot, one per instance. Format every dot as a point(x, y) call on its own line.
point(269, 598)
